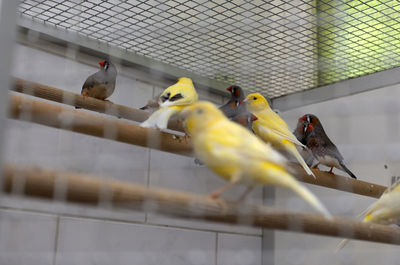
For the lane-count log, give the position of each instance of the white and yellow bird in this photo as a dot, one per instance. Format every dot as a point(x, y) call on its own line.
point(272, 129)
point(385, 211)
point(172, 100)
point(237, 155)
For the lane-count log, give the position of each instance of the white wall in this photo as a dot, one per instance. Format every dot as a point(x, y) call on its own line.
point(365, 128)
point(42, 232)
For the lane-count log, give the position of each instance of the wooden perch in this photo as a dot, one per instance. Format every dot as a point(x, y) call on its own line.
point(92, 190)
point(339, 182)
point(73, 99)
point(58, 116)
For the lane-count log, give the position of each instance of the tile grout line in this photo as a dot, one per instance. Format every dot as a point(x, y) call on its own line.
point(56, 240)
point(105, 219)
point(147, 180)
point(216, 248)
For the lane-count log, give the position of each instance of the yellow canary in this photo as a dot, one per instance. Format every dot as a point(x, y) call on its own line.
point(237, 155)
point(172, 100)
point(272, 129)
point(386, 210)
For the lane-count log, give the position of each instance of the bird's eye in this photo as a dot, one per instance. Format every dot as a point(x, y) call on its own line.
point(254, 98)
point(176, 97)
point(168, 94)
point(199, 111)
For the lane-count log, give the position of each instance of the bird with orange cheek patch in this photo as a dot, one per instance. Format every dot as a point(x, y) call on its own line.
point(310, 132)
point(245, 119)
point(235, 111)
point(233, 106)
point(101, 84)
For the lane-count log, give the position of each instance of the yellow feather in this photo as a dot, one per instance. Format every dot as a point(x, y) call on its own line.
point(172, 100)
point(235, 154)
point(386, 210)
point(272, 129)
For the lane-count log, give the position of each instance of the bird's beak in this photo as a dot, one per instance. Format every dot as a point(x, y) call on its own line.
point(102, 63)
point(229, 89)
point(253, 117)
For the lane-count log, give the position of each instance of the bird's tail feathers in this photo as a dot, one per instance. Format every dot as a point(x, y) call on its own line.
point(365, 216)
point(299, 158)
point(309, 197)
point(347, 170)
point(144, 107)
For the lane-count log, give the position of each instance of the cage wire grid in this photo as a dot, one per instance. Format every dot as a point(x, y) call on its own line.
point(272, 47)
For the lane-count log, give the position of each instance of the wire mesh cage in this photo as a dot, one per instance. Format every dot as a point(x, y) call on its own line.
point(119, 163)
point(275, 47)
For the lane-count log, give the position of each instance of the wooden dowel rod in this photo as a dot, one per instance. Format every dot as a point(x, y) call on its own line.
point(73, 99)
point(58, 116)
point(86, 189)
point(339, 182)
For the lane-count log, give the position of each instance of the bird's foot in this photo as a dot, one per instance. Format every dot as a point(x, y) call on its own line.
point(186, 137)
point(109, 102)
point(214, 195)
point(244, 195)
point(330, 171)
point(177, 138)
point(220, 202)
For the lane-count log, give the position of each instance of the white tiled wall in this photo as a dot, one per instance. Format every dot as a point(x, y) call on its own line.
point(239, 250)
point(99, 242)
point(27, 238)
point(74, 234)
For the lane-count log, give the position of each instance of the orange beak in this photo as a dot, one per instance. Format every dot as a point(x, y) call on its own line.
point(229, 89)
point(102, 63)
point(253, 117)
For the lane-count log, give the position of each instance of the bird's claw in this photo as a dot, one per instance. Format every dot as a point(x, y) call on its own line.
point(186, 137)
point(330, 171)
point(109, 102)
point(213, 195)
point(221, 203)
point(177, 138)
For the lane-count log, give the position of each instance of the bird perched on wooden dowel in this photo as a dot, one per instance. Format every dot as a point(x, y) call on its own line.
point(239, 156)
point(272, 129)
point(233, 106)
point(172, 100)
point(310, 132)
point(101, 84)
point(384, 211)
point(235, 111)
